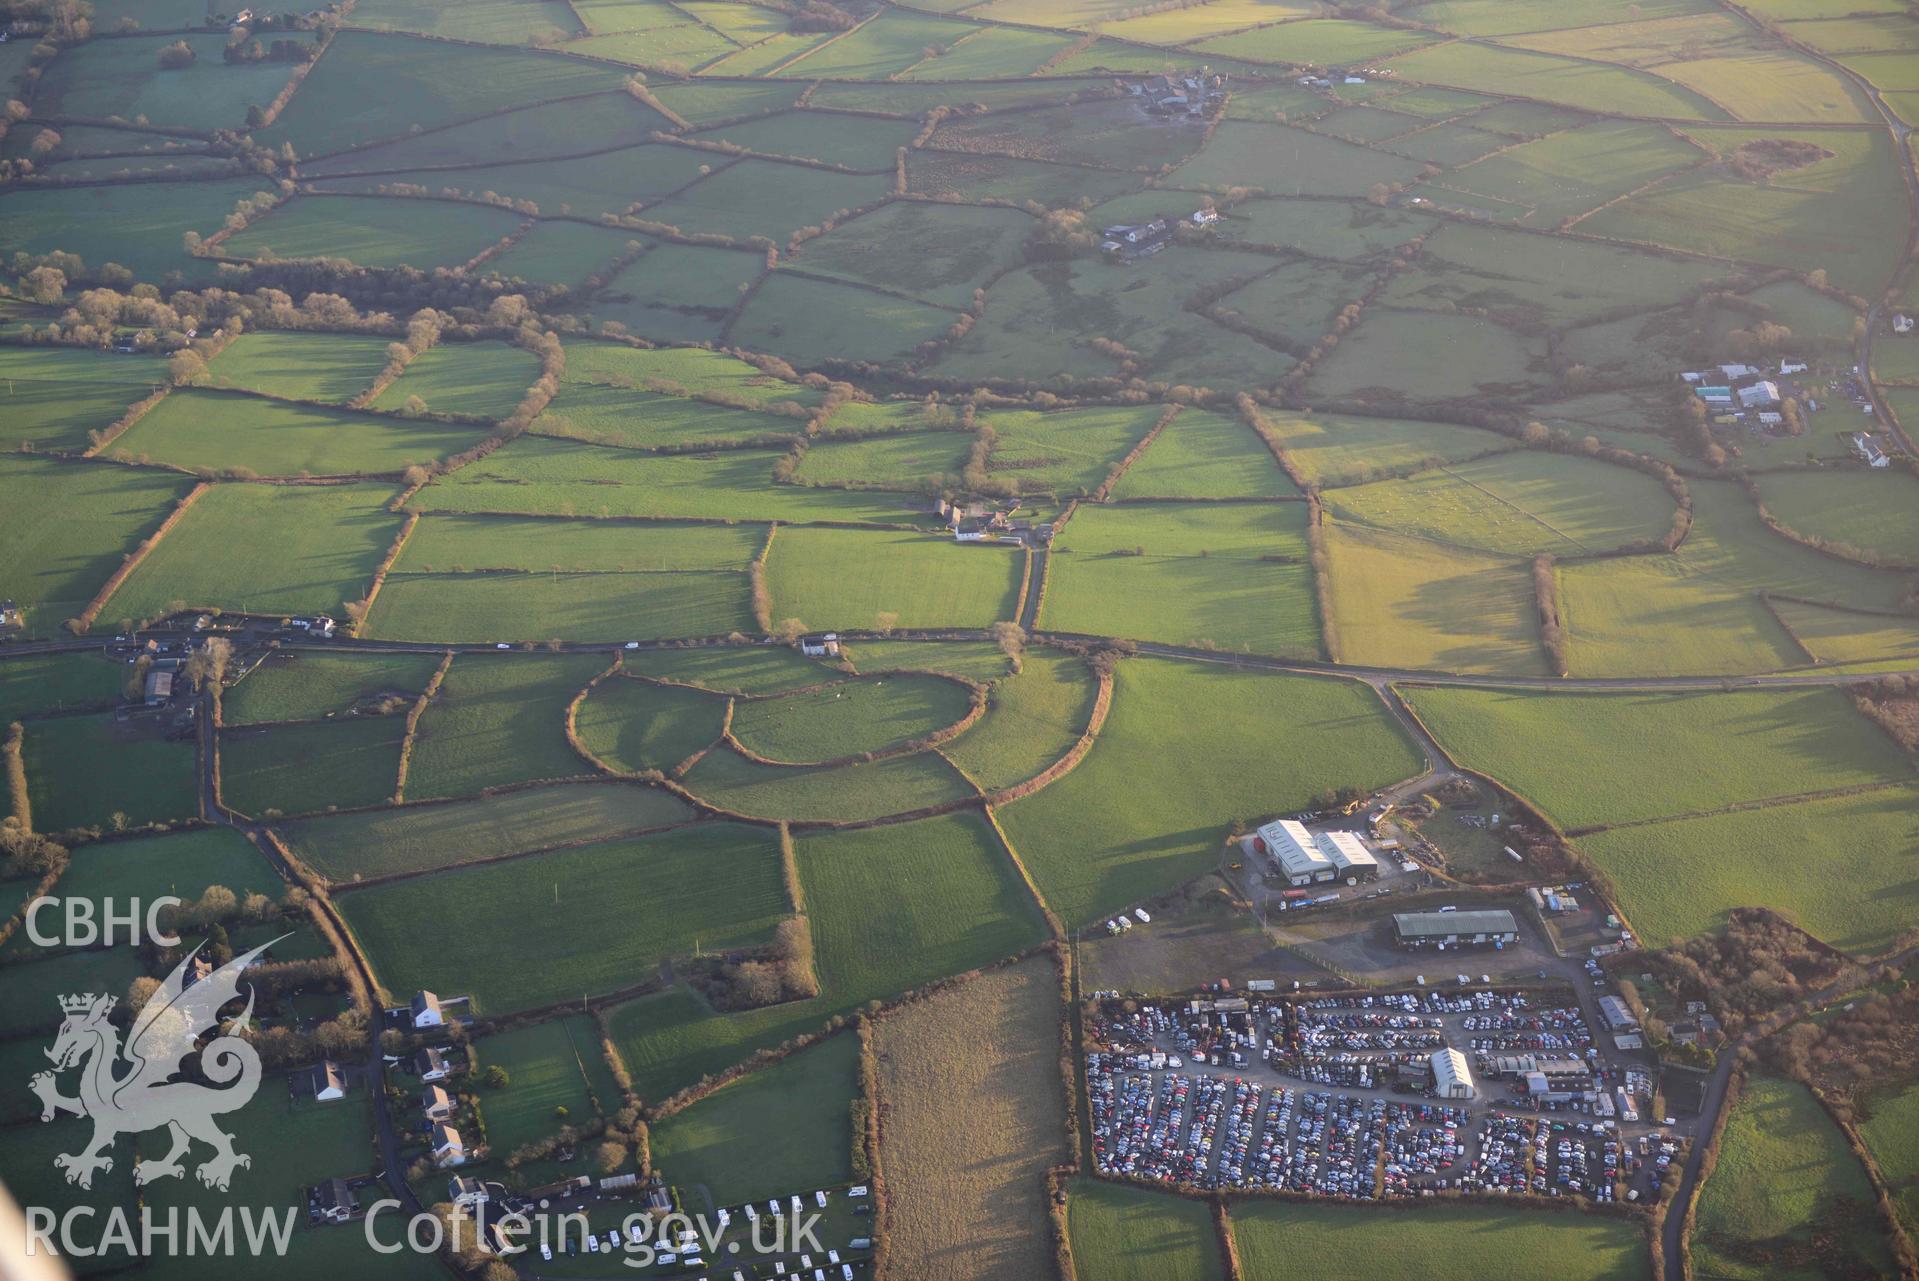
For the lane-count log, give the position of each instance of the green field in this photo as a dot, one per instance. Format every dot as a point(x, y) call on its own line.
point(265, 549)
point(95, 771)
point(1399, 601)
point(424, 837)
point(1698, 611)
point(1516, 503)
point(373, 232)
point(894, 907)
point(481, 380)
point(551, 1065)
point(1122, 1233)
point(38, 685)
point(848, 578)
point(543, 605)
point(893, 785)
point(297, 686)
point(297, 769)
point(1338, 449)
point(636, 725)
point(54, 397)
point(1846, 882)
point(782, 1130)
point(333, 367)
point(601, 916)
point(183, 864)
point(1872, 512)
point(1781, 1162)
point(498, 720)
point(850, 718)
point(208, 432)
point(1446, 1243)
point(1032, 718)
point(1600, 759)
point(1202, 455)
point(1228, 577)
point(1428, 357)
point(1149, 806)
point(1891, 1134)
point(67, 528)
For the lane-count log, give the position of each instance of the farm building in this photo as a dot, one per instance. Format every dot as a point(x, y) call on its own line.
point(1452, 1075)
point(335, 1201)
point(426, 1010)
point(1764, 392)
point(1300, 860)
point(1351, 860)
point(1714, 395)
point(827, 646)
point(10, 616)
point(1490, 928)
point(159, 688)
point(1618, 1017)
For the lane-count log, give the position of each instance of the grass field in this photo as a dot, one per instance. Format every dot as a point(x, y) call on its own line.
point(1781, 1161)
point(892, 908)
point(1405, 602)
point(67, 528)
point(373, 231)
point(602, 916)
point(1599, 759)
point(973, 1068)
point(1836, 636)
point(293, 686)
point(1871, 511)
point(782, 1130)
point(538, 476)
point(496, 720)
point(1064, 453)
point(1130, 1234)
point(1833, 213)
point(323, 366)
point(137, 225)
point(635, 725)
point(183, 864)
point(1339, 449)
point(848, 578)
point(779, 319)
point(1230, 576)
point(55, 396)
point(297, 769)
point(1516, 503)
point(93, 771)
point(424, 837)
point(373, 86)
point(265, 549)
point(225, 433)
point(849, 718)
point(123, 78)
point(894, 785)
point(47, 683)
point(1447, 1243)
point(537, 606)
point(1148, 807)
point(1891, 1134)
point(1848, 881)
point(732, 670)
point(482, 379)
point(1032, 718)
point(1202, 455)
point(1587, 86)
point(1428, 357)
point(557, 1064)
point(1698, 610)
point(1277, 160)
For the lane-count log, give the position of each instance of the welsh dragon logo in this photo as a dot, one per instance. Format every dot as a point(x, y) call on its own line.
point(130, 1088)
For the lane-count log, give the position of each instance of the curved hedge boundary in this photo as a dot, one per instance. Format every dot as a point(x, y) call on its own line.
point(1102, 704)
point(911, 747)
